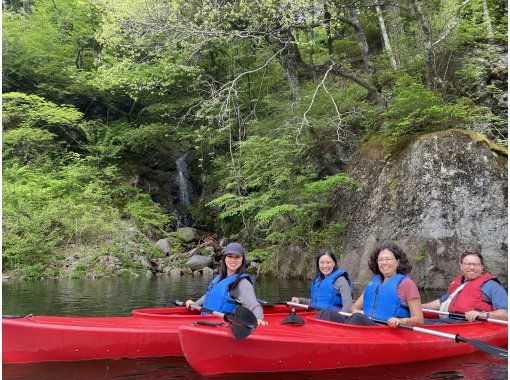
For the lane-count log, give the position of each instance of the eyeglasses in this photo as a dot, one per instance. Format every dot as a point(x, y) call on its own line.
point(385, 260)
point(476, 265)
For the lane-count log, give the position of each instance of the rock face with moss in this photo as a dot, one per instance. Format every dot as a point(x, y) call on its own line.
point(435, 195)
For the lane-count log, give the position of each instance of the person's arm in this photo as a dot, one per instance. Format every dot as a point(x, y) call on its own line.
point(416, 317)
point(358, 305)
point(344, 288)
point(198, 302)
point(246, 295)
point(434, 305)
point(410, 295)
point(301, 300)
point(500, 314)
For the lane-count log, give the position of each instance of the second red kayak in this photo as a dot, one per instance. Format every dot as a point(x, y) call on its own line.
point(321, 345)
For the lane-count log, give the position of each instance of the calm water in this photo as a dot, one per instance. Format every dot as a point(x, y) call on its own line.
point(120, 296)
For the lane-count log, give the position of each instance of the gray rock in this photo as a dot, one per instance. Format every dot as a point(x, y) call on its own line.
point(207, 272)
point(175, 272)
point(442, 194)
point(188, 234)
point(164, 246)
point(198, 262)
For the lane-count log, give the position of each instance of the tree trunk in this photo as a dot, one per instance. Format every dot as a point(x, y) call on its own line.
point(360, 38)
point(487, 18)
point(329, 41)
point(386, 40)
point(430, 72)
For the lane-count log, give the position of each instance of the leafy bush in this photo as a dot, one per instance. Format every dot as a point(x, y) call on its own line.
point(414, 108)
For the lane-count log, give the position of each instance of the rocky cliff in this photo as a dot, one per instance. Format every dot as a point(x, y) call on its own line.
point(436, 195)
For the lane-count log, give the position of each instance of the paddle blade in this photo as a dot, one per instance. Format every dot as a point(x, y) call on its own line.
point(242, 322)
point(485, 347)
point(293, 319)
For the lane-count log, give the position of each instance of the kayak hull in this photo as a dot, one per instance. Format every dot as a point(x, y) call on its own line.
point(321, 345)
point(147, 333)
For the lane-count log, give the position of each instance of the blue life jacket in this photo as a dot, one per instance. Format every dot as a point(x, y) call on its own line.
point(381, 300)
point(323, 292)
point(217, 297)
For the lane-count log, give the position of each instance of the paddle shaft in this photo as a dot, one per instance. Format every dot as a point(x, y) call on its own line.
point(458, 315)
point(201, 308)
point(409, 327)
point(301, 305)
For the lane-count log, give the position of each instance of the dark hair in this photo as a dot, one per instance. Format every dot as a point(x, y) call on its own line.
point(479, 255)
point(328, 252)
point(404, 266)
point(239, 271)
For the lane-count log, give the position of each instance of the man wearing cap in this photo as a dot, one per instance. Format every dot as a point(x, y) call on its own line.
point(231, 286)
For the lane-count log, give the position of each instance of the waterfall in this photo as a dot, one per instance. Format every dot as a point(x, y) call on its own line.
point(183, 182)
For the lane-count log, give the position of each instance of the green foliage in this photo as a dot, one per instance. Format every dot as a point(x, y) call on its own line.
point(420, 253)
point(48, 46)
point(33, 272)
point(54, 199)
point(272, 135)
point(417, 109)
point(147, 215)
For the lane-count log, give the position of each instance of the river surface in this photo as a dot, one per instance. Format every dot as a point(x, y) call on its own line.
point(119, 296)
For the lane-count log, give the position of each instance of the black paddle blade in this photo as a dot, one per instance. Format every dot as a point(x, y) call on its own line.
point(485, 347)
point(242, 322)
point(293, 319)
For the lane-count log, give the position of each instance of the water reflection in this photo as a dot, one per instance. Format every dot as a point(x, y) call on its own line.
point(120, 296)
point(472, 366)
point(104, 297)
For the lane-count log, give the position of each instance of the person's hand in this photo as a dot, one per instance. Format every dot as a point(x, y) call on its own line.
point(261, 322)
point(354, 311)
point(294, 299)
point(189, 303)
point(471, 315)
point(395, 322)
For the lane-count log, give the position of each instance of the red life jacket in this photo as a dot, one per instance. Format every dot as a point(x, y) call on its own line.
point(471, 296)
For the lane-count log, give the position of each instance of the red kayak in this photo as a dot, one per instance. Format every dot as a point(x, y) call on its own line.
point(321, 345)
point(148, 333)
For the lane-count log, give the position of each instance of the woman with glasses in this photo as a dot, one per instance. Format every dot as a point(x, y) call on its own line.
point(474, 293)
point(390, 295)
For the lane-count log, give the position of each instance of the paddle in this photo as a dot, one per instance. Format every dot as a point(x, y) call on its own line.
point(242, 321)
point(482, 346)
point(461, 316)
point(293, 319)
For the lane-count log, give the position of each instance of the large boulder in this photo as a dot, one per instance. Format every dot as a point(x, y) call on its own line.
point(198, 262)
point(436, 195)
point(188, 234)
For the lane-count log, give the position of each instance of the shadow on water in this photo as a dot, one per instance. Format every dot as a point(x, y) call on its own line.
point(473, 366)
point(119, 296)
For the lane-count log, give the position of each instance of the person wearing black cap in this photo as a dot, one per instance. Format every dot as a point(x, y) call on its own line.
point(231, 286)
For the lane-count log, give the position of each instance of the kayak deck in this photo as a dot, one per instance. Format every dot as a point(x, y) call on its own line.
point(320, 345)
